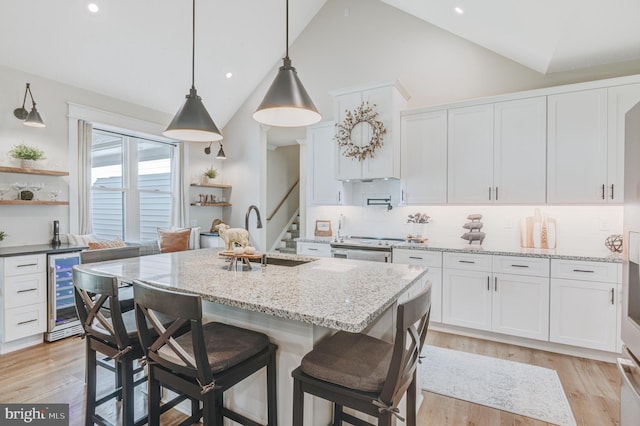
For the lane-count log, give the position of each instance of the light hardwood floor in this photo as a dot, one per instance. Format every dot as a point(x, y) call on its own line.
point(54, 373)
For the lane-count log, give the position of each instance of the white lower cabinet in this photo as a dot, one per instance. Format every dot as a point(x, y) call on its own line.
point(23, 297)
point(432, 260)
point(510, 303)
point(585, 304)
point(466, 298)
point(521, 306)
point(313, 249)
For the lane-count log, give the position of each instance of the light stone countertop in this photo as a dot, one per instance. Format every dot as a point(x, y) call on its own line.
point(336, 293)
point(592, 255)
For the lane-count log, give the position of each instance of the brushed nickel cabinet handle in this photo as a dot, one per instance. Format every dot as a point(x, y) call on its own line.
point(495, 283)
point(416, 257)
point(466, 261)
point(488, 283)
point(612, 191)
point(489, 193)
point(26, 264)
point(26, 290)
point(603, 191)
point(520, 266)
point(496, 193)
point(27, 322)
point(584, 270)
point(612, 295)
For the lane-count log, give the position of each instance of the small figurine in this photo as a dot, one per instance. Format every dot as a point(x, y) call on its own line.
point(474, 228)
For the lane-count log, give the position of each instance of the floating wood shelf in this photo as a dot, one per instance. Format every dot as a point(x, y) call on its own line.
point(212, 185)
point(32, 171)
point(31, 202)
point(211, 205)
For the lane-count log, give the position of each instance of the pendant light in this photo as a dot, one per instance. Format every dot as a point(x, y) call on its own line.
point(192, 122)
point(287, 103)
point(32, 118)
point(221, 155)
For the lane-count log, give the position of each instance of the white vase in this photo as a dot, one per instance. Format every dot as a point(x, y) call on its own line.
point(30, 164)
point(211, 180)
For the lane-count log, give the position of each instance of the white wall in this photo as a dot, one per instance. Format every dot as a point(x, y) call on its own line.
point(33, 224)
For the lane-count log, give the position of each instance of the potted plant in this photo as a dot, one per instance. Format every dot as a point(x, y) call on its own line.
point(2, 235)
point(28, 155)
point(210, 174)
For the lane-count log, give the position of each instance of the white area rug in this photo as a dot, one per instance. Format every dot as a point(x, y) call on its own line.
point(510, 386)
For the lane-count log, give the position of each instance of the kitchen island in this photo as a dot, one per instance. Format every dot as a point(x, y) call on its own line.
point(294, 305)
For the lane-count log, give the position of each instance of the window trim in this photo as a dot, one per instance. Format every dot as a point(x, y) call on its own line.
point(109, 121)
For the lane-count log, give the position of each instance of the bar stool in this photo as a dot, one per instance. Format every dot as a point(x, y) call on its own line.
point(202, 363)
point(113, 334)
point(364, 373)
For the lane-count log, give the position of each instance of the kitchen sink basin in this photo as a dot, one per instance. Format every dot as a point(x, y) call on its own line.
point(281, 261)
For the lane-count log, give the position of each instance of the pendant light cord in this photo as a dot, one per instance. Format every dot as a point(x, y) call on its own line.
point(193, 46)
point(287, 31)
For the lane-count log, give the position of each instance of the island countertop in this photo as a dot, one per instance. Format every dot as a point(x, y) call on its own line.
point(336, 293)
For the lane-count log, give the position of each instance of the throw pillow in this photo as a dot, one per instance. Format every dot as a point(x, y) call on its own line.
point(115, 243)
point(171, 241)
point(81, 240)
point(194, 238)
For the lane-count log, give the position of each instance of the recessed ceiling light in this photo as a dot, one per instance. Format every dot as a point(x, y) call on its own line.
point(459, 10)
point(228, 75)
point(93, 8)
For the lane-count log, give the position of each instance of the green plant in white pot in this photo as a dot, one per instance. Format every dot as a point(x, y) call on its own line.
point(2, 235)
point(210, 174)
point(28, 155)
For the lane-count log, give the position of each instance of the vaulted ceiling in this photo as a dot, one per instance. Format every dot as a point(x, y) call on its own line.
point(140, 51)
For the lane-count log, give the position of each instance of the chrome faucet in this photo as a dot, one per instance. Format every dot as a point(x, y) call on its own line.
point(246, 217)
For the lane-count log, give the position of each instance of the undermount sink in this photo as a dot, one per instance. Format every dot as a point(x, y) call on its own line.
point(281, 261)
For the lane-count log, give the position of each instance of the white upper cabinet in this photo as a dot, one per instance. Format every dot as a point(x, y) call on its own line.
point(621, 99)
point(387, 100)
point(577, 147)
point(322, 187)
point(497, 152)
point(520, 151)
point(424, 157)
point(470, 142)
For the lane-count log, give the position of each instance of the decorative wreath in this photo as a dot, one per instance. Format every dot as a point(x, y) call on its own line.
point(362, 114)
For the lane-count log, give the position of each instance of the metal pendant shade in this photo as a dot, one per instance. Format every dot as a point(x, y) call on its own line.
point(34, 119)
point(192, 122)
point(287, 103)
point(221, 155)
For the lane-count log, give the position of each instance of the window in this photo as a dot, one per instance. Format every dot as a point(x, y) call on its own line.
point(131, 181)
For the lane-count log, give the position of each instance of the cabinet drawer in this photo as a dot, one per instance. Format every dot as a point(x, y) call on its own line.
point(468, 261)
point(20, 265)
point(586, 271)
point(418, 257)
point(21, 290)
point(518, 265)
point(314, 249)
point(25, 321)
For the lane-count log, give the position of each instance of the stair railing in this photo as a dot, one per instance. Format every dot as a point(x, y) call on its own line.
point(283, 200)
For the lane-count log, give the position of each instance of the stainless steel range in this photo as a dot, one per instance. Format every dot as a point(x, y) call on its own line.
point(364, 248)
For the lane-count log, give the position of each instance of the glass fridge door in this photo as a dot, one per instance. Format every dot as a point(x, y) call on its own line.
point(61, 297)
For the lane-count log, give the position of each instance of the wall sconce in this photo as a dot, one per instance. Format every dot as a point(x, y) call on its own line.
point(220, 155)
point(32, 118)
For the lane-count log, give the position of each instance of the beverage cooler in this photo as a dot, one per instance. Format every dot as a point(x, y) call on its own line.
point(62, 317)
